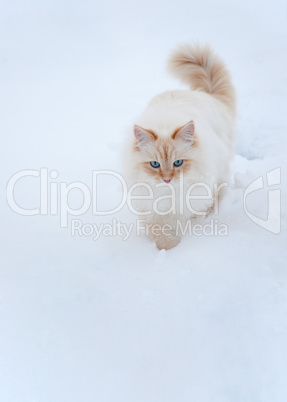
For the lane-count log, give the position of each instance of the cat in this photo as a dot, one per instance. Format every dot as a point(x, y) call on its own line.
point(183, 137)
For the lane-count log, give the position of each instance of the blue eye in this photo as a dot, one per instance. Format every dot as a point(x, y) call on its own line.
point(178, 162)
point(155, 164)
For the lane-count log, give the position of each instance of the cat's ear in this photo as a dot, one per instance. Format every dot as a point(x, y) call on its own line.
point(143, 136)
point(185, 133)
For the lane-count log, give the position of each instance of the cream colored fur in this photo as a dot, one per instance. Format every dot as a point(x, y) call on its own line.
point(210, 104)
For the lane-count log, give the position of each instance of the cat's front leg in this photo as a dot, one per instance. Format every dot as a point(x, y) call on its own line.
point(163, 234)
point(166, 242)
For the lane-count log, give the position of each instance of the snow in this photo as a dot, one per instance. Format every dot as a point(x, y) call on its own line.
point(113, 320)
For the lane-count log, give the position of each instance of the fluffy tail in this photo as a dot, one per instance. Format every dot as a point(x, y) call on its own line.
point(202, 70)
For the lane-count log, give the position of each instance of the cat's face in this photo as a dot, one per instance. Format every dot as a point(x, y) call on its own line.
point(165, 159)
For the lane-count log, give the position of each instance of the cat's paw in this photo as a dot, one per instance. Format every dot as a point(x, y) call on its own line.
point(166, 242)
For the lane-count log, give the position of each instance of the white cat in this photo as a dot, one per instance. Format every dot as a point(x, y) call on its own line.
point(182, 138)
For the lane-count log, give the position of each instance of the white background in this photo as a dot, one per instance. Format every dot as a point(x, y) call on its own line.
point(109, 320)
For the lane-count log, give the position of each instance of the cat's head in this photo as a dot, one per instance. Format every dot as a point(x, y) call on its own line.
point(162, 159)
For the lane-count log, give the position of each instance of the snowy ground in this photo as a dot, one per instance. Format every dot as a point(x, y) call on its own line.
point(113, 320)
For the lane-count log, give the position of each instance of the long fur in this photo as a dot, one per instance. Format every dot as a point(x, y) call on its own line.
point(202, 70)
point(207, 111)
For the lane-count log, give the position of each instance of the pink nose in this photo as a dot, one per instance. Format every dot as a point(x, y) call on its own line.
point(167, 180)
